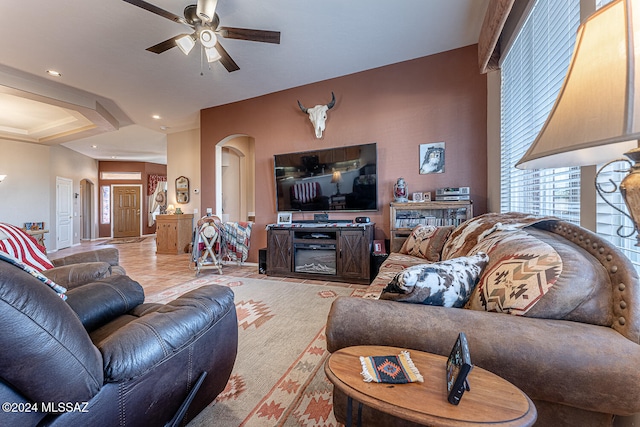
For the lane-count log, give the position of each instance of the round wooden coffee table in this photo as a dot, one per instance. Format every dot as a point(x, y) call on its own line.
point(492, 401)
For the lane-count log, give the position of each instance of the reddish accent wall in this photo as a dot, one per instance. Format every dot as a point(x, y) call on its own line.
point(145, 170)
point(437, 98)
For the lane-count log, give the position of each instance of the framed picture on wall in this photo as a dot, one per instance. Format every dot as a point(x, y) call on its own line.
point(284, 217)
point(431, 158)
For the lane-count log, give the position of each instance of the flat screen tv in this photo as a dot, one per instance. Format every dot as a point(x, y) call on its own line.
point(332, 179)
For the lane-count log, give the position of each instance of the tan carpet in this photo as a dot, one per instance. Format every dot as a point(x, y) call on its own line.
point(278, 378)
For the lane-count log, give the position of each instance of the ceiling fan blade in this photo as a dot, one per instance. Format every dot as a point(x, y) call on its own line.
point(158, 11)
point(251, 35)
point(165, 45)
point(226, 60)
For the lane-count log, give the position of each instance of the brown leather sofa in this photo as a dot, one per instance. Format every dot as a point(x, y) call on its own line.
point(104, 357)
point(77, 269)
point(578, 363)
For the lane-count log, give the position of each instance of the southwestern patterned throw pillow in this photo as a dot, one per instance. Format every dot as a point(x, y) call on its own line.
point(522, 270)
point(426, 241)
point(447, 283)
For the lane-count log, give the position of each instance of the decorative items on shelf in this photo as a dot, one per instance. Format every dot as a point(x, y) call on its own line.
point(34, 226)
point(178, 211)
point(284, 217)
point(400, 191)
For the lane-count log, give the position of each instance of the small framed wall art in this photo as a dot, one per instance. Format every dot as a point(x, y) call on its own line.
point(284, 217)
point(378, 247)
point(431, 158)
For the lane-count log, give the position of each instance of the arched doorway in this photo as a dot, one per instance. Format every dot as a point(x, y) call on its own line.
point(235, 178)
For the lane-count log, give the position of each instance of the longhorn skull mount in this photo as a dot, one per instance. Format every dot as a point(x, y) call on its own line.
point(318, 115)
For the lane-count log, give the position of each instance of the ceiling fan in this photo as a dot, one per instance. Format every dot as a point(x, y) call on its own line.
point(204, 20)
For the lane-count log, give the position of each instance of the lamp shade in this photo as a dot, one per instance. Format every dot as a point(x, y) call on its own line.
point(596, 116)
point(185, 43)
point(336, 177)
point(212, 54)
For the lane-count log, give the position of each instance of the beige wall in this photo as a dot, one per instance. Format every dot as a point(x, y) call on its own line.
point(183, 154)
point(70, 164)
point(25, 193)
point(28, 192)
point(436, 98)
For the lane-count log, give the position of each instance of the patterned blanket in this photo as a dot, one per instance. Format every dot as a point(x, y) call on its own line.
point(17, 243)
point(236, 239)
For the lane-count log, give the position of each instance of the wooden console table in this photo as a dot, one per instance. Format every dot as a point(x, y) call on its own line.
point(173, 233)
point(492, 401)
point(327, 251)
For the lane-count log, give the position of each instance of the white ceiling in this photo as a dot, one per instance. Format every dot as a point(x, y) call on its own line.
point(99, 47)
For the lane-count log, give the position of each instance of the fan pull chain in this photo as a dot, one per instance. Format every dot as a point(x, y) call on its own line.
point(201, 59)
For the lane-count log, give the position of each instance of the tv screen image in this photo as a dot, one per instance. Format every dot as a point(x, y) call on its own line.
point(332, 179)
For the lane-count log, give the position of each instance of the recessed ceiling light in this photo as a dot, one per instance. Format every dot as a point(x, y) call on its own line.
point(155, 116)
point(113, 157)
point(163, 128)
point(54, 73)
point(94, 146)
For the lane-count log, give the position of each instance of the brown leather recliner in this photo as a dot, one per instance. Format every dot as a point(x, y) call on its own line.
point(103, 357)
point(84, 267)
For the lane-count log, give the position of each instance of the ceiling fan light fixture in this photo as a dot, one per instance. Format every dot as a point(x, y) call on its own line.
point(208, 38)
point(185, 43)
point(212, 54)
point(206, 10)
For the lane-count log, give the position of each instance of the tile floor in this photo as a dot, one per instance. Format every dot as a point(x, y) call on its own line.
point(158, 272)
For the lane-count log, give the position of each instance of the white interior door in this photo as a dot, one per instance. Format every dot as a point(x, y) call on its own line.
point(64, 212)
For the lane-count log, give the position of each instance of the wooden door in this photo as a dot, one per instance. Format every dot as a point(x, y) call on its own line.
point(353, 261)
point(126, 211)
point(278, 252)
point(64, 212)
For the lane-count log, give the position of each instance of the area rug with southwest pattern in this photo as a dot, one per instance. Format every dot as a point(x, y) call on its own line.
point(278, 378)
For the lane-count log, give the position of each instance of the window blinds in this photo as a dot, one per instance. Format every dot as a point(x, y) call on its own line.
point(532, 75)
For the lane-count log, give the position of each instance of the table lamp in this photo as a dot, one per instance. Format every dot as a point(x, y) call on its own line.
point(596, 116)
point(336, 178)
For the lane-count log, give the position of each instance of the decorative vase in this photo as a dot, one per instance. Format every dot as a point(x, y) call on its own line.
point(401, 191)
